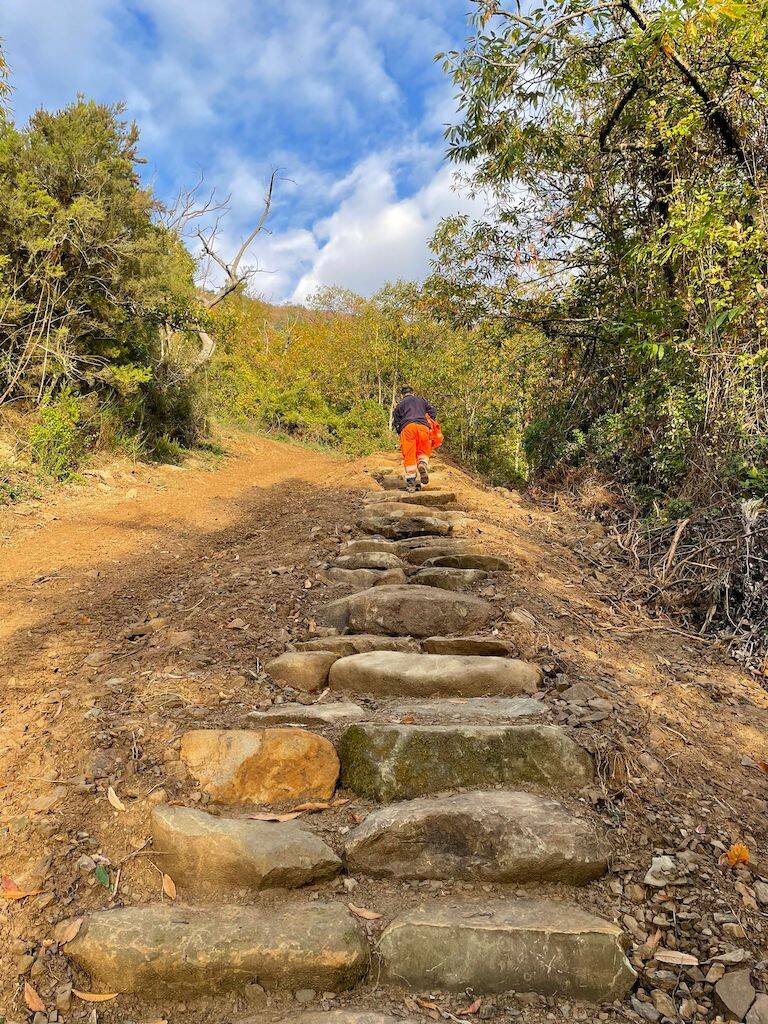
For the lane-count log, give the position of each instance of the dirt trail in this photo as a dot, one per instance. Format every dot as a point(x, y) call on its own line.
point(146, 603)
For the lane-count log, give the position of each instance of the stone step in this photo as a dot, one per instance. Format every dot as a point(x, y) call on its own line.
point(403, 510)
point(207, 854)
point(395, 527)
point(418, 555)
point(400, 762)
point(485, 836)
point(361, 579)
point(269, 766)
point(389, 673)
point(449, 579)
point(370, 560)
point(338, 713)
point(303, 670)
point(394, 479)
point(359, 643)
point(408, 610)
point(442, 710)
point(455, 544)
point(433, 499)
point(525, 945)
point(157, 949)
point(470, 560)
point(363, 544)
point(480, 646)
point(468, 710)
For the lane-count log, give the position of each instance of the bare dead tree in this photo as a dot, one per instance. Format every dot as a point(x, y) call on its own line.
point(187, 210)
point(234, 277)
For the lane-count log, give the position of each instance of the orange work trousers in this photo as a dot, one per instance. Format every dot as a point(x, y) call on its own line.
point(416, 446)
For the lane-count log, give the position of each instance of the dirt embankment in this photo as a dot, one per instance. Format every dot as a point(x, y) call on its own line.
point(146, 603)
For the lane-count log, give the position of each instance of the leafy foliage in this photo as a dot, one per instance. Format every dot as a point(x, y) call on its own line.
point(622, 146)
point(96, 295)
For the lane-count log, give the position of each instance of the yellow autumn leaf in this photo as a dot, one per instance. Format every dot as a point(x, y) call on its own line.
point(738, 853)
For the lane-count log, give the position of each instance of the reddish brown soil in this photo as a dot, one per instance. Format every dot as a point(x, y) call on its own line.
point(228, 560)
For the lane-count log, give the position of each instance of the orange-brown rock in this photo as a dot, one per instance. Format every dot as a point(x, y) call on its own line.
point(269, 766)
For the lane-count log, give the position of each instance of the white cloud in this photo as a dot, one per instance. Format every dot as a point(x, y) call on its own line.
point(374, 237)
point(242, 86)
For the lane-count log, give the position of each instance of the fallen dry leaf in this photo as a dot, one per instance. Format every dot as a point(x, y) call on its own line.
point(674, 956)
point(472, 1008)
point(115, 800)
point(736, 854)
point(65, 931)
point(169, 887)
point(275, 817)
point(433, 1010)
point(320, 805)
point(10, 890)
point(94, 997)
point(32, 999)
point(363, 914)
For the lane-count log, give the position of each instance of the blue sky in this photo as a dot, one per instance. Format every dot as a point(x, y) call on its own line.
point(342, 95)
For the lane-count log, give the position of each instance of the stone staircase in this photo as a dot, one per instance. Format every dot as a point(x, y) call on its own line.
point(411, 705)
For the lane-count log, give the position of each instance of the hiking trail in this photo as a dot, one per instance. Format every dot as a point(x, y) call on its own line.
point(282, 742)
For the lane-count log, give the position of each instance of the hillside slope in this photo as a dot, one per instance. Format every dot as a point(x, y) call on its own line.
point(147, 606)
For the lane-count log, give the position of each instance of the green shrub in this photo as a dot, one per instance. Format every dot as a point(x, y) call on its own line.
point(58, 440)
point(167, 451)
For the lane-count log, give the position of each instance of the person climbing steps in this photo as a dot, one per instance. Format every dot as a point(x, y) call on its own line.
point(413, 419)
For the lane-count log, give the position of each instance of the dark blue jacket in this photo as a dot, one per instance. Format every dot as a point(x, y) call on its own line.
point(412, 409)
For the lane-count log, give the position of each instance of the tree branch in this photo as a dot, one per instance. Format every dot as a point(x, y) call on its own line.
point(262, 220)
point(613, 119)
point(717, 115)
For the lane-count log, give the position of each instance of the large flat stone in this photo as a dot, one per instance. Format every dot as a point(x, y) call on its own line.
point(363, 544)
point(395, 527)
point(431, 499)
point(267, 766)
point(390, 673)
point(361, 579)
point(484, 836)
point(408, 611)
point(526, 945)
point(449, 579)
point(418, 554)
point(209, 854)
point(303, 670)
point(159, 949)
point(471, 710)
point(480, 646)
point(359, 643)
point(470, 560)
point(400, 762)
point(370, 560)
point(409, 543)
point(339, 713)
point(403, 510)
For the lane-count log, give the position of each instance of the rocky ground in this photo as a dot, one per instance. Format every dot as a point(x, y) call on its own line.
point(597, 765)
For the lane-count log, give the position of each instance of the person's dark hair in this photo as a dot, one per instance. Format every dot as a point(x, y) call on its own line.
point(406, 389)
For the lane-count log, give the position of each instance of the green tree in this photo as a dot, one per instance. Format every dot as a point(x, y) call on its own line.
point(621, 145)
